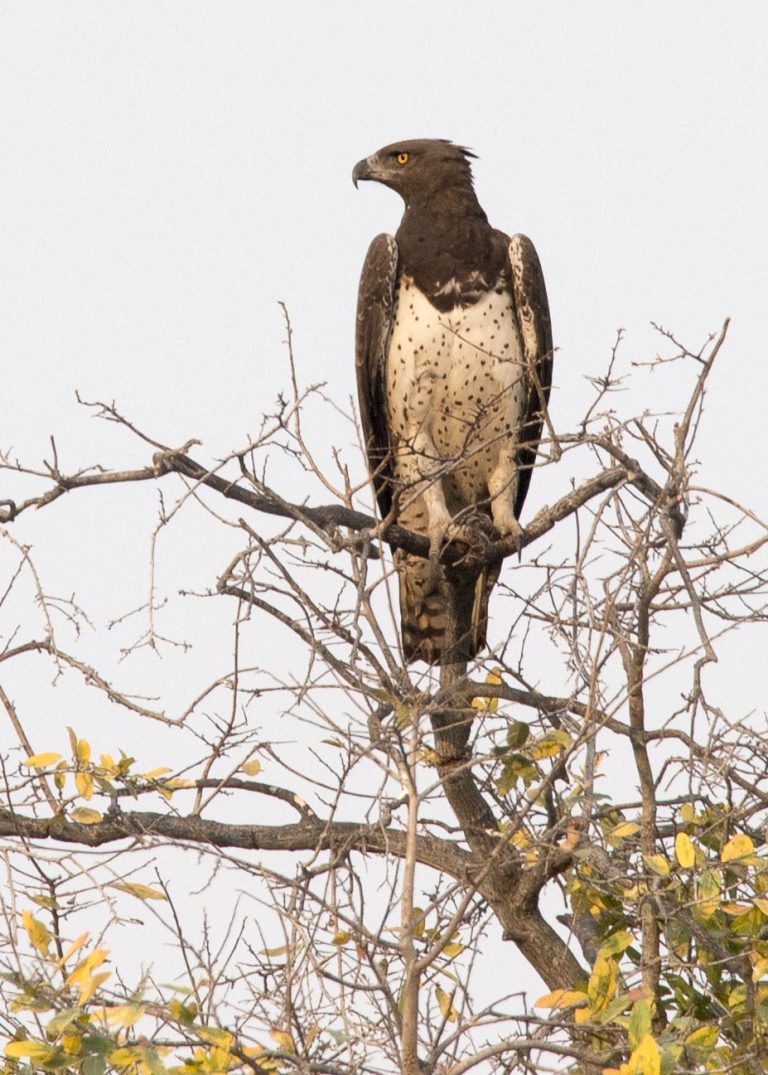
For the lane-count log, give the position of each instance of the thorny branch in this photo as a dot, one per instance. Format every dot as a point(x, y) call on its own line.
point(361, 754)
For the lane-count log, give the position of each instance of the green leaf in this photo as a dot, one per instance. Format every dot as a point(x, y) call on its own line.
point(616, 1007)
point(152, 1059)
point(61, 1021)
point(639, 1022)
point(94, 1065)
point(616, 943)
point(517, 733)
point(709, 893)
point(516, 767)
point(658, 864)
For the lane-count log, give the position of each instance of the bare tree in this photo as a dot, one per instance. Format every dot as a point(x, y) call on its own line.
point(374, 850)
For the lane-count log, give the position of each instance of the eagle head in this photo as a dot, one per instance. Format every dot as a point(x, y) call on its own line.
point(418, 166)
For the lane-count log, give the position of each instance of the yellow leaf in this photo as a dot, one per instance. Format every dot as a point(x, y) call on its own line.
point(251, 768)
point(687, 813)
point(582, 1015)
point(82, 971)
point(123, 1058)
point(550, 744)
point(736, 909)
point(83, 752)
point(107, 764)
point(85, 816)
point(124, 1015)
point(602, 982)
point(645, 1059)
point(685, 851)
point(87, 989)
point(340, 938)
point(40, 761)
point(272, 952)
point(35, 1050)
point(263, 1063)
point(84, 784)
point(38, 933)
point(761, 904)
point(71, 1043)
point(403, 715)
point(490, 705)
point(704, 1037)
point(445, 1004)
point(74, 947)
point(626, 828)
point(453, 949)
point(760, 969)
point(658, 864)
point(216, 1036)
point(141, 892)
point(737, 848)
point(283, 1040)
point(153, 774)
point(562, 998)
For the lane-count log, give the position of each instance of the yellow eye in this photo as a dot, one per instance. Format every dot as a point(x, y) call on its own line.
point(402, 158)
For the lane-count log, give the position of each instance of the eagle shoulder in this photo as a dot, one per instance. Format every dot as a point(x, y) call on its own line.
point(375, 304)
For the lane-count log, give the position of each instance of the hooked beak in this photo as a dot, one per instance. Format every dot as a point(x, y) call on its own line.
point(362, 170)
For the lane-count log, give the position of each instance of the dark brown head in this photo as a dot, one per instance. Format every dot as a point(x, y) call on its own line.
point(419, 167)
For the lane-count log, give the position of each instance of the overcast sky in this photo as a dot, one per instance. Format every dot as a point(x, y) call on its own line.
point(169, 171)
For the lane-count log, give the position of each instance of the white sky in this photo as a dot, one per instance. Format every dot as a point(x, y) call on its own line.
point(169, 171)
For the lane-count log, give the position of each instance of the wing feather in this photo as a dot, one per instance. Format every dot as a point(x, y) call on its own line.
point(529, 295)
point(375, 306)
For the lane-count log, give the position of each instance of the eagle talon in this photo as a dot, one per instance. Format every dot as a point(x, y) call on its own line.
point(436, 545)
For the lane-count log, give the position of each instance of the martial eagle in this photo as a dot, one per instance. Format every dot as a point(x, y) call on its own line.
point(454, 363)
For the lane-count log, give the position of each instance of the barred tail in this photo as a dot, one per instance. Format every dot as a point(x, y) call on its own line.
point(423, 613)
